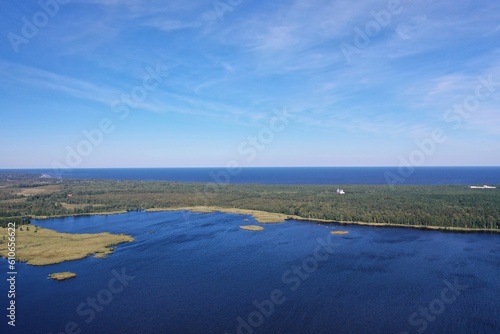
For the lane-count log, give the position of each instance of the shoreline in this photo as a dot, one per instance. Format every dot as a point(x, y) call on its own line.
point(418, 227)
point(104, 213)
point(253, 213)
point(265, 217)
point(262, 217)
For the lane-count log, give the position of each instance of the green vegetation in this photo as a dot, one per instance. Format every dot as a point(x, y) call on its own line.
point(440, 206)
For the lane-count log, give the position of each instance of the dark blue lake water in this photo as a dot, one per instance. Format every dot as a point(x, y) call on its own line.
point(293, 175)
point(200, 273)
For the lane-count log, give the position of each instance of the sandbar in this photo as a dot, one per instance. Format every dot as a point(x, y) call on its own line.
point(62, 275)
point(251, 227)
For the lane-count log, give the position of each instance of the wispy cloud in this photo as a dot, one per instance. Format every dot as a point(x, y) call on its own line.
point(263, 56)
point(27, 77)
point(170, 25)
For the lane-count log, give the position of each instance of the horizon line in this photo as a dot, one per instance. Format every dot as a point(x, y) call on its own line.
point(248, 167)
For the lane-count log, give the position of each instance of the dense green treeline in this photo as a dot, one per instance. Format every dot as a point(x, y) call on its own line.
point(450, 206)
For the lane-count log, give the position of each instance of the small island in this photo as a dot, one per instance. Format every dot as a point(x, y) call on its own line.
point(339, 232)
point(62, 276)
point(251, 227)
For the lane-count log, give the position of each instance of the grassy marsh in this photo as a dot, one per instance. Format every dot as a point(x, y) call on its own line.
point(39, 246)
point(251, 227)
point(62, 276)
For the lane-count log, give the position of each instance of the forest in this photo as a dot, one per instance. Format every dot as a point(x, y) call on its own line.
point(25, 196)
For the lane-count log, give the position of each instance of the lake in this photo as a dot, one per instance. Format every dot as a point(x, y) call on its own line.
point(200, 273)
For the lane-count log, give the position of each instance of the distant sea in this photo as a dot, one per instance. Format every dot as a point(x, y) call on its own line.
point(290, 175)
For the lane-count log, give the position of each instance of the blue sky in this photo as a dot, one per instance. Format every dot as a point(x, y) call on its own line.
point(275, 83)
